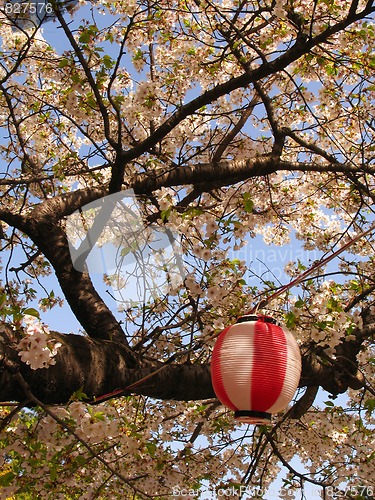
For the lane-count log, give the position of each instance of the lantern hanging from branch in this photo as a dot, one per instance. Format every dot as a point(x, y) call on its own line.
point(255, 368)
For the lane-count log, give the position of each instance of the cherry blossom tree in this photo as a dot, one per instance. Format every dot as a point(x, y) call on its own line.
point(230, 121)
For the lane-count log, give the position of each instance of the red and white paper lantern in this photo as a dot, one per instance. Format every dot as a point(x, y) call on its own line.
point(255, 368)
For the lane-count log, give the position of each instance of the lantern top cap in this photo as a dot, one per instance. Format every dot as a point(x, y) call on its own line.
point(256, 317)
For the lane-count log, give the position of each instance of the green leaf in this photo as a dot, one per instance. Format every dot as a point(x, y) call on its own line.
point(370, 405)
point(300, 303)
point(354, 285)
point(119, 99)
point(334, 305)
point(290, 320)
point(91, 101)
point(107, 61)
point(109, 37)
point(99, 416)
point(248, 202)
point(6, 479)
point(322, 325)
point(160, 466)
point(30, 311)
point(151, 448)
point(138, 54)
point(78, 395)
point(64, 62)
point(75, 78)
point(85, 37)
point(53, 473)
point(165, 214)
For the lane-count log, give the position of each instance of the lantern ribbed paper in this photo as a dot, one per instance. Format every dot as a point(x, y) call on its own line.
point(255, 368)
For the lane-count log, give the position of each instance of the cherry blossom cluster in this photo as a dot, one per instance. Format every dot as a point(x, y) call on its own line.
point(37, 349)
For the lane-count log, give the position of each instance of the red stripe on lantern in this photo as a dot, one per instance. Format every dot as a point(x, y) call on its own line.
point(266, 383)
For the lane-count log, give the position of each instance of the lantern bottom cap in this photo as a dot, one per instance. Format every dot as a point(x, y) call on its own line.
point(252, 417)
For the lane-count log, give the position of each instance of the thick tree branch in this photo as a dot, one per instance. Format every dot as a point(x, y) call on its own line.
point(100, 367)
point(56, 208)
point(229, 172)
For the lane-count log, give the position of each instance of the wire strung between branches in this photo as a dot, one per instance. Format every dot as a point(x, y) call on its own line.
point(309, 271)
